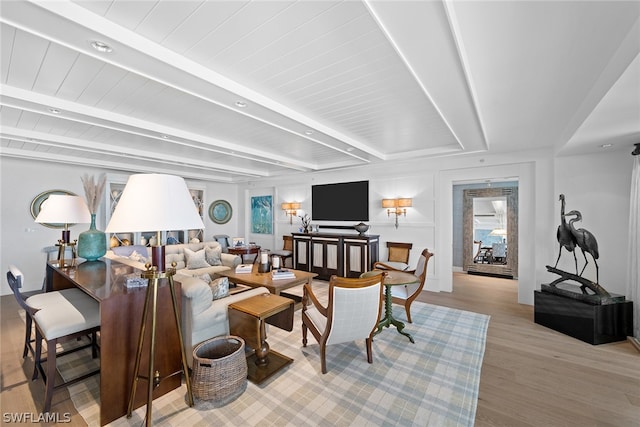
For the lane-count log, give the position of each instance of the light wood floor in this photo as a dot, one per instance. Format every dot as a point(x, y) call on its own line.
point(531, 375)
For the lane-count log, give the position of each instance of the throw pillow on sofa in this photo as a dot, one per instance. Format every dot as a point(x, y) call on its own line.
point(137, 257)
point(133, 252)
point(213, 255)
point(195, 259)
point(220, 287)
point(205, 278)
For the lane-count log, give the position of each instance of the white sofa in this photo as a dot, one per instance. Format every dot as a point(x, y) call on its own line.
point(202, 316)
point(137, 256)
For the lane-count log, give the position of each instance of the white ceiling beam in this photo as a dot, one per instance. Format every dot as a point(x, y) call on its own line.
point(148, 57)
point(92, 146)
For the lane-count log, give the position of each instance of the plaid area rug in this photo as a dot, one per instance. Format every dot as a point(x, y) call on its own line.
point(433, 382)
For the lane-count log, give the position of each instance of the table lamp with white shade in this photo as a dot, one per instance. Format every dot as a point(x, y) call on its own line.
point(155, 202)
point(64, 209)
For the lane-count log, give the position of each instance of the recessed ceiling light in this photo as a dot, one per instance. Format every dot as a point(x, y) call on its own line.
point(349, 149)
point(165, 136)
point(308, 132)
point(241, 104)
point(606, 145)
point(101, 47)
point(54, 110)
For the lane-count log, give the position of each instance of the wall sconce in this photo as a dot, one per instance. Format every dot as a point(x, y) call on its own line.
point(291, 209)
point(397, 207)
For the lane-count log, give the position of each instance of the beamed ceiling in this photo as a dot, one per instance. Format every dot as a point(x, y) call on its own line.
point(231, 91)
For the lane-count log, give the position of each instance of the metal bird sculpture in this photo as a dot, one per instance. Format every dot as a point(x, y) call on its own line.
point(565, 236)
point(585, 240)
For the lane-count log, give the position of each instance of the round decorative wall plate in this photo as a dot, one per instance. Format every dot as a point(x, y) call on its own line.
point(36, 204)
point(220, 211)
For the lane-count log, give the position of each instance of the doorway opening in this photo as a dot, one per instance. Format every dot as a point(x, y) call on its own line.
point(485, 228)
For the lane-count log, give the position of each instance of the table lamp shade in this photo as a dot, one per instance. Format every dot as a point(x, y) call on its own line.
point(64, 209)
point(154, 202)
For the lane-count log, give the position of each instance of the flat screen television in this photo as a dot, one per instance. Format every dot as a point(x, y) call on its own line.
point(344, 201)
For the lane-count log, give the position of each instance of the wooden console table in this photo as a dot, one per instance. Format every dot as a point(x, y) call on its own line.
point(121, 317)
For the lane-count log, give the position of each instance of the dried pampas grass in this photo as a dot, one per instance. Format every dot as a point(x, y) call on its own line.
point(93, 191)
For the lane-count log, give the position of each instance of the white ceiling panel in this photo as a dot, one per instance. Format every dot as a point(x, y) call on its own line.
point(324, 84)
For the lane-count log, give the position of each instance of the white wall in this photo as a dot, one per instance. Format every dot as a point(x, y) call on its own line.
point(417, 227)
point(22, 240)
point(597, 185)
point(428, 222)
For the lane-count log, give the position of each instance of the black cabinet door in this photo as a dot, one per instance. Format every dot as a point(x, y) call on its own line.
point(326, 256)
point(302, 253)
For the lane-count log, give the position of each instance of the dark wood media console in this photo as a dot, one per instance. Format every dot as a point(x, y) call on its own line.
point(346, 255)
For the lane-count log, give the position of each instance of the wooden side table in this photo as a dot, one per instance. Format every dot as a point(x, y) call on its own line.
point(394, 278)
point(242, 251)
point(248, 319)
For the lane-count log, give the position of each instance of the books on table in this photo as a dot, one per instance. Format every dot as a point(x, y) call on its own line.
point(282, 274)
point(244, 268)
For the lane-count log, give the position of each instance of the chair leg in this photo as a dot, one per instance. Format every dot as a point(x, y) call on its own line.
point(51, 374)
point(38, 356)
point(27, 336)
point(304, 334)
point(407, 309)
point(369, 350)
point(94, 344)
point(323, 358)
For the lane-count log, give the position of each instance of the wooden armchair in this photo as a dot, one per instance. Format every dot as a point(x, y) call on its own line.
point(223, 239)
point(406, 294)
point(352, 313)
point(398, 258)
point(287, 250)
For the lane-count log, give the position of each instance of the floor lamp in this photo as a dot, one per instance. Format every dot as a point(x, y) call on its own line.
point(64, 209)
point(154, 202)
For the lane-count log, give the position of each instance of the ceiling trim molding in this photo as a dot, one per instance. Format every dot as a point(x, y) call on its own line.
point(452, 19)
point(98, 147)
point(150, 130)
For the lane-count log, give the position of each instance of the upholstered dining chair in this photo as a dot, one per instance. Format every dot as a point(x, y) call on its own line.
point(406, 294)
point(58, 316)
point(223, 239)
point(287, 250)
point(352, 313)
point(398, 258)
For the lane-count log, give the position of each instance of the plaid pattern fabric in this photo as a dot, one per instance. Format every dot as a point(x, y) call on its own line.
point(433, 382)
point(355, 313)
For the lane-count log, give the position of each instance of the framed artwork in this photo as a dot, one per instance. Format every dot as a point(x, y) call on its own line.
point(220, 211)
point(38, 201)
point(262, 214)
